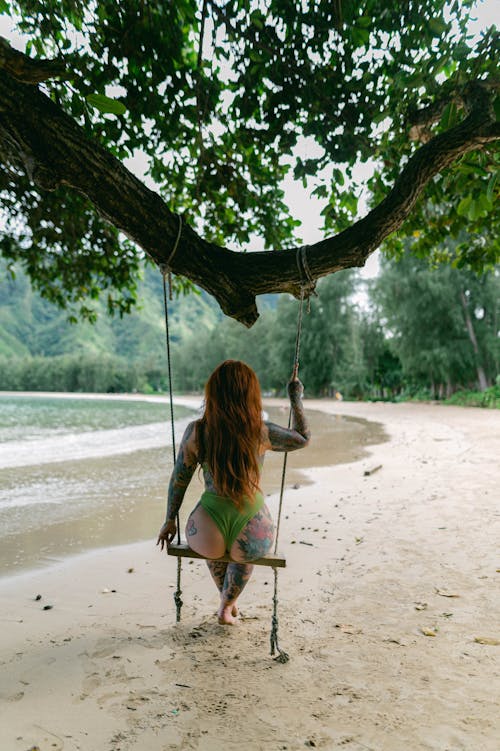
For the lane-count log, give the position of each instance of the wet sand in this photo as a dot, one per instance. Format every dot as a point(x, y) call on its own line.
point(389, 609)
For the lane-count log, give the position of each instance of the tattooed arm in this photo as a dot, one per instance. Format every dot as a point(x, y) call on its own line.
point(296, 437)
point(184, 468)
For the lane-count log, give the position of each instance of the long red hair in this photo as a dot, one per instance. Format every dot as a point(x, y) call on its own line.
point(229, 433)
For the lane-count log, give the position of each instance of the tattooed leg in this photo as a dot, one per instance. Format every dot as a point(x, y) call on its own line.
point(218, 571)
point(237, 576)
point(255, 539)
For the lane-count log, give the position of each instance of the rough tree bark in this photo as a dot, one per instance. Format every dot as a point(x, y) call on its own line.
point(55, 150)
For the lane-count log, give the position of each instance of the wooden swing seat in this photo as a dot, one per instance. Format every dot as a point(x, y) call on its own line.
point(181, 550)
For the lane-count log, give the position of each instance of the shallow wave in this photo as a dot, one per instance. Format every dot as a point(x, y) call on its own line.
point(15, 500)
point(88, 445)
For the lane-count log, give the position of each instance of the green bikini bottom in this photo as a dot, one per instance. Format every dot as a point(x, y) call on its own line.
point(227, 516)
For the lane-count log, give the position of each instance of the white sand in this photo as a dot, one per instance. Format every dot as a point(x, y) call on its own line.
point(105, 671)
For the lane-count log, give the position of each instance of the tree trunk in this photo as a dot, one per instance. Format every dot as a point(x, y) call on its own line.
point(481, 375)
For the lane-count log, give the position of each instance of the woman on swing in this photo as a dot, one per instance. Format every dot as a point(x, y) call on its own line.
point(229, 442)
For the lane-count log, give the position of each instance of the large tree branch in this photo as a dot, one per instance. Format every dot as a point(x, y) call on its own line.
point(422, 119)
point(55, 150)
point(26, 69)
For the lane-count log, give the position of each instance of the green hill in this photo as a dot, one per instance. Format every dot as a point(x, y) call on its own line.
point(31, 326)
point(40, 350)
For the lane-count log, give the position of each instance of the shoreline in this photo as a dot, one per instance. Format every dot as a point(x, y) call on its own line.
point(195, 401)
point(123, 477)
point(373, 561)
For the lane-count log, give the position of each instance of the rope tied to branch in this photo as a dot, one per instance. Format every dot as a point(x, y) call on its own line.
point(166, 268)
point(307, 281)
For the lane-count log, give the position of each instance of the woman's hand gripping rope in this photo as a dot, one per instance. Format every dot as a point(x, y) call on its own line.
point(295, 387)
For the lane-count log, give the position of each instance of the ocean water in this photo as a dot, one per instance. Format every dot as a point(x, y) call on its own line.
point(82, 473)
point(78, 473)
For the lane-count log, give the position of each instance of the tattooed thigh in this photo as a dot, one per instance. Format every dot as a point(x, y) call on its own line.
point(255, 539)
point(203, 535)
point(192, 523)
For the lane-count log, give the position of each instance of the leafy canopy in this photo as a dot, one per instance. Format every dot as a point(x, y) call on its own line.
point(222, 122)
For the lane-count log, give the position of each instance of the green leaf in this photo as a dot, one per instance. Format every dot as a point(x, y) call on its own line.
point(360, 37)
point(364, 21)
point(473, 169)
point(485, 203)
point(449, 116)
point(496, 107)
point(438, 26)
point(491, 187)
point(338, 177)
point(464, 206)
point(478, 208)
point(106, 104)
point(257, 19)
point(474, 211)
point(320, 191)
point(4, 7)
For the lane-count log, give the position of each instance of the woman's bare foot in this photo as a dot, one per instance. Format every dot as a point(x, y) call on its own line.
point(225, 615)
point(234, 610)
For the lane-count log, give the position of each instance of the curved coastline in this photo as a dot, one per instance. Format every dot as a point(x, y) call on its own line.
point(72, 480)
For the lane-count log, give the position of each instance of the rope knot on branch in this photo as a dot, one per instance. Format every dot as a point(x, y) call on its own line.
point(307, 281)
point(166, 267)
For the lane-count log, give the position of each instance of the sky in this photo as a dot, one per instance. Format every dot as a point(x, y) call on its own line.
point(303, 206)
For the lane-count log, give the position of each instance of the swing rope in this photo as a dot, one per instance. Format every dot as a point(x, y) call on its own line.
point(307, 288)
point(166, 271)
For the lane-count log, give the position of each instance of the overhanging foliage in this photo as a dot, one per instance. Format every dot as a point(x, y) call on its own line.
point(219, 97)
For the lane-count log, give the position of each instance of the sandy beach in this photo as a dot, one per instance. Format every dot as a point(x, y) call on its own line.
point(389, 610)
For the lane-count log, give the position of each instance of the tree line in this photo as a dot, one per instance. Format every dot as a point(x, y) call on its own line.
point(412, 331)
point(417, 332)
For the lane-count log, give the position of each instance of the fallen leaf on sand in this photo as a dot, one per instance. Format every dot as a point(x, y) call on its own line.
point(395, 641)
point(359, 540)
point(444, 593)
point(346, 628)
point(428, 631)
point(421, 606)
point(487, 640)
